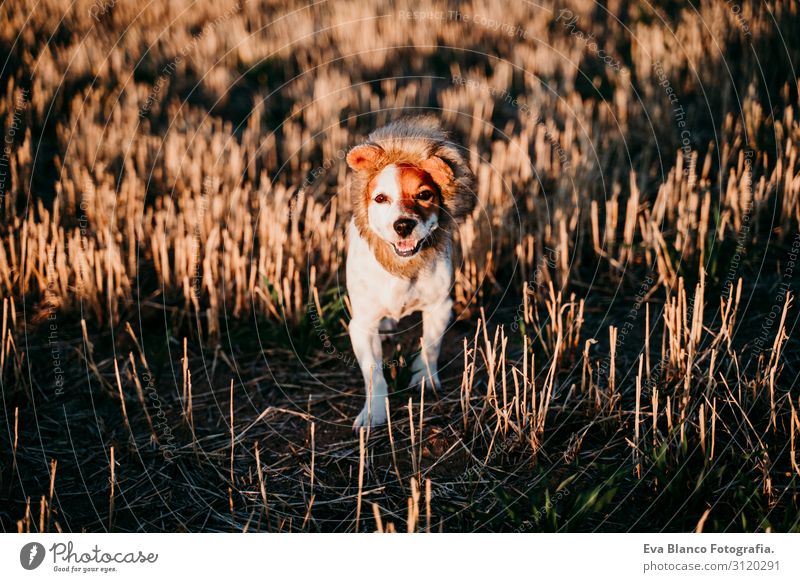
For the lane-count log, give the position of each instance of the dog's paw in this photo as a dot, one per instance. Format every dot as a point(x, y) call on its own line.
point(374, 415)
point(418, 375)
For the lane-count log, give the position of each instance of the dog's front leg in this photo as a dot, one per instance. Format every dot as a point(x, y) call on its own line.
point(367, 347)
point(434, 323)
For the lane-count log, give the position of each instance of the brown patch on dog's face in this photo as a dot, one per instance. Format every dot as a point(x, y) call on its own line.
point(403, 203)
point(420, 194)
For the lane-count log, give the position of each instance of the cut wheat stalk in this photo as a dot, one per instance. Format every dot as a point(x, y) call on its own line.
point(140, 395)
point(51, 492)
point(122, 398)
point(612, 373)
point(361, 462)
point(427, 506)
point(262, 488)
point(313, 454)
point(16, 442)
point(232, 436)
point(421, 421)
point(392, 445)
point(412, 521)
point(112, 489)
point(415, 466)
point(638, 407)
point(376, 512)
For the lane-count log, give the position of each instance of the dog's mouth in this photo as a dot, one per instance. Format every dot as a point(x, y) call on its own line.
point(407, 247)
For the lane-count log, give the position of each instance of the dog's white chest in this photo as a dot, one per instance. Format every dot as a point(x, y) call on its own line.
point(376, 293)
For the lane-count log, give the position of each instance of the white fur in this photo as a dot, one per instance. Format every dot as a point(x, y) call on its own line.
point(376, 294)
point(382, 216)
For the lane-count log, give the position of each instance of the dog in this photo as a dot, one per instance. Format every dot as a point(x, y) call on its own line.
point(411, 184)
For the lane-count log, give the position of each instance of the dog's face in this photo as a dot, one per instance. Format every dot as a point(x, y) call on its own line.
point(403, 201)
point(403, 207)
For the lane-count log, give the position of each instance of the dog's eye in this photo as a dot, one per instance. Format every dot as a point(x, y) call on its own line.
point(381, 198)
point(425, 196)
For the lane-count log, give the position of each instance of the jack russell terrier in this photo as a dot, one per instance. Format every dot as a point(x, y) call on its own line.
point(411, 185)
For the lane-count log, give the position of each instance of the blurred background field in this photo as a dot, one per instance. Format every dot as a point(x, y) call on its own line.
point(174, 352)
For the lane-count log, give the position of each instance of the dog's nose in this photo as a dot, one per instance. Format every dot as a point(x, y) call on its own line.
point(404, 226)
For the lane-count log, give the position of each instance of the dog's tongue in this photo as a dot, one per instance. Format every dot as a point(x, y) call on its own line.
point(405, 246)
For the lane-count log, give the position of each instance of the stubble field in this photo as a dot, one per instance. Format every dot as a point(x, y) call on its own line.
point(173, 201)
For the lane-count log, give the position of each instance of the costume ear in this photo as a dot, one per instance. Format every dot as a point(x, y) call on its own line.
point(439, 170)
point(365, 157)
